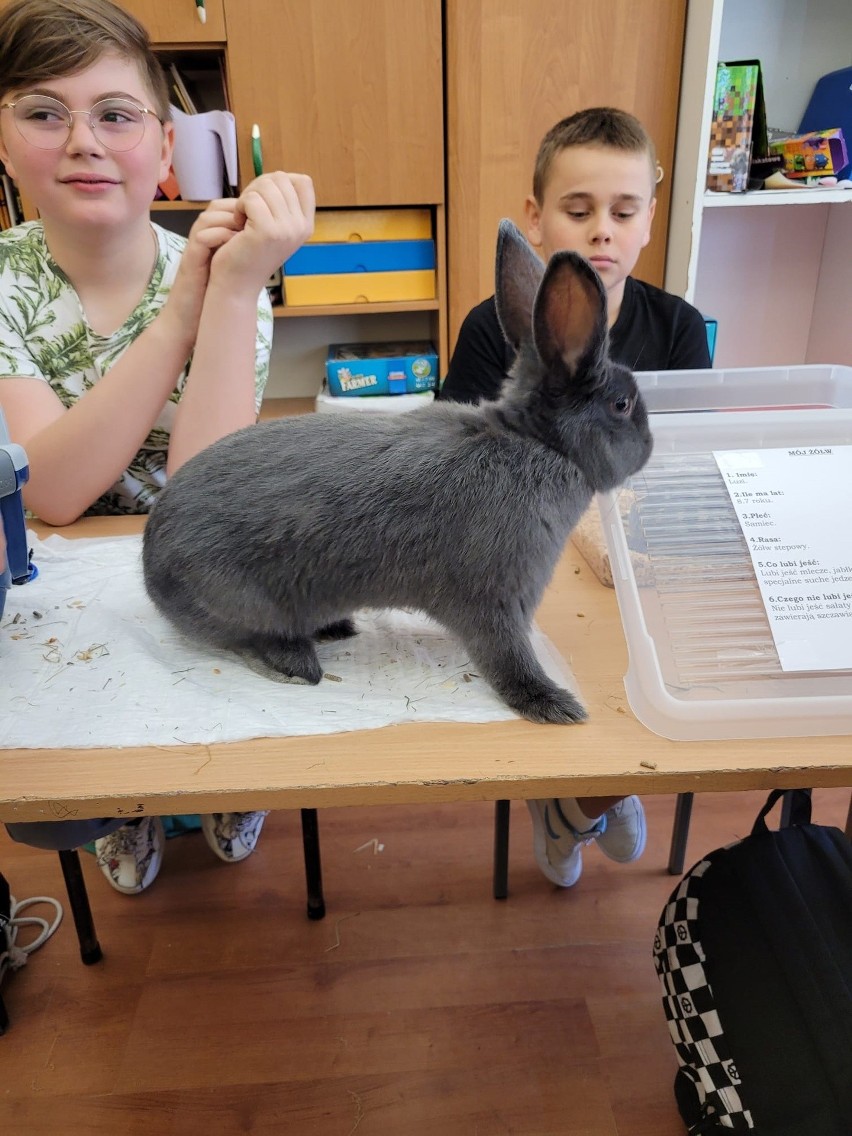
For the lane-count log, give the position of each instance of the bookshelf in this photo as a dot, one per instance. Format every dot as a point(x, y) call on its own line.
point(384, 308)
point(771, 266)
point(11, 206)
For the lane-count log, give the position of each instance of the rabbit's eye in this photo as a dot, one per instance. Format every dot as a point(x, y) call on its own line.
point(622, 405)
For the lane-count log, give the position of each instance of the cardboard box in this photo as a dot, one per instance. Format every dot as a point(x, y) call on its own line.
point(738, 129)
point(820, 153)
point(358, 369)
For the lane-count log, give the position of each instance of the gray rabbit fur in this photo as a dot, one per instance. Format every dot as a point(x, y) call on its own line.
point(273, 537)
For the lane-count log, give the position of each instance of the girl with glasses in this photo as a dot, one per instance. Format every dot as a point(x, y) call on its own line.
point(124, 349)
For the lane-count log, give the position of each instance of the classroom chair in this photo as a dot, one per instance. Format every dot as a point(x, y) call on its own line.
point(78, 898)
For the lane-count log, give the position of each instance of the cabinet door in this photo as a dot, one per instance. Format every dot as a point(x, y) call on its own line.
point(178, 21)
point(351, 94)
point(514, 68)
point(175, 21)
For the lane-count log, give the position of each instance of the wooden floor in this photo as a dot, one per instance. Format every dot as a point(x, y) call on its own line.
point(419, 1006)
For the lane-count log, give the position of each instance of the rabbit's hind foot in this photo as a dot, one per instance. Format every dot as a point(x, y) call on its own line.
point(283, 659)
point(340, 629)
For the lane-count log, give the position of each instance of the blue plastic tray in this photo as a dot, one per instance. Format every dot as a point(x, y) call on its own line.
point(361, 256)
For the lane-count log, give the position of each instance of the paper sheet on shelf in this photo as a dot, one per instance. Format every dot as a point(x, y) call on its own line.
point(99, 666)
point(793, 506)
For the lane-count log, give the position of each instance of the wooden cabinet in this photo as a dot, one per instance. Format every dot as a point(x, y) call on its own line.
point(513, 69)
point(178, 21)
point(771, 266)
point(353, 95)
point(350, 93)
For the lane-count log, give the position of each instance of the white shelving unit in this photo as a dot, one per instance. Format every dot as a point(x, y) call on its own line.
point(772, 266)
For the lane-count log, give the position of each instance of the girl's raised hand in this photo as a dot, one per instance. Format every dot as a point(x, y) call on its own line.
point(276, 212)
point(214, 227)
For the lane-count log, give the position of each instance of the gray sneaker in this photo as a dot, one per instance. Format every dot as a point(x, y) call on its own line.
point(625, 831)
point(130, 857)
point(232, 836)
point(557, 845)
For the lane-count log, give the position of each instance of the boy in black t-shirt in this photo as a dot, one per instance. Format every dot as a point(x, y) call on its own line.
point(594, 189)
point(594, 192)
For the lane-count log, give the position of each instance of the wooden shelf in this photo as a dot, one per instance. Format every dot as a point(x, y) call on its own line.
point(759, 197)
point(285, 407)
point(365, 309)
point(175, 206)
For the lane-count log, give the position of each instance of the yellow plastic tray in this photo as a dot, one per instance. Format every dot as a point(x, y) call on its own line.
point(372, 225)
point(359, 288)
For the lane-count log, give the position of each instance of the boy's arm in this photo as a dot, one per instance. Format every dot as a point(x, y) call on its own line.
point(277, 213)
point(478, 367)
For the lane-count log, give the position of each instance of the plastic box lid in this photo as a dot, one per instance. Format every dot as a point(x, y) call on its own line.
point(702, 660)
point(812, 385)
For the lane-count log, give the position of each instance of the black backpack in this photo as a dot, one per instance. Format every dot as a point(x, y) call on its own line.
point(754, 954)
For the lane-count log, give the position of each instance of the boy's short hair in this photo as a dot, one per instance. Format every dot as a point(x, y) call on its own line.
point(49, 39)
point(595, 126)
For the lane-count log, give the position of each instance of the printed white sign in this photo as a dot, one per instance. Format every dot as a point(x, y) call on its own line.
point(793, 506)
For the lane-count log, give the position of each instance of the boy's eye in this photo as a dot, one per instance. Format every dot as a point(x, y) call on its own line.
point(625, 216)
point(577, 214)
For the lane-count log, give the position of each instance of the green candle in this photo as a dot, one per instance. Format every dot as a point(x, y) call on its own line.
point(256, 152)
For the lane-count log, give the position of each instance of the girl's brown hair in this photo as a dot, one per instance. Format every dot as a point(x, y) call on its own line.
point(48, 39)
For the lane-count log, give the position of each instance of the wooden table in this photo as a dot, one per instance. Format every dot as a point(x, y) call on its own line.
point(611, 754)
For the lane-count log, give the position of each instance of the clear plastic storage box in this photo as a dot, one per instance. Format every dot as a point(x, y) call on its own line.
point(703, 662)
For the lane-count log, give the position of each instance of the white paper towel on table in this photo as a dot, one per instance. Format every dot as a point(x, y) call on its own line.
point(87, 661)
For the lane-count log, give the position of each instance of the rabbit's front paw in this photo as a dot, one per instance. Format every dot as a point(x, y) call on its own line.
point(556, 706)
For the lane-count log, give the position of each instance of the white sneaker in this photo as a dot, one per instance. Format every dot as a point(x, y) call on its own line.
point(624, 835)
point(557, 845)
point(232, 836)
point(130, 857)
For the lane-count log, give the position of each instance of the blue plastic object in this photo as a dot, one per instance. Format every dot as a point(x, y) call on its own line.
point(830, 107)
point(712, 328)
point(360, 256)
point(15, 564)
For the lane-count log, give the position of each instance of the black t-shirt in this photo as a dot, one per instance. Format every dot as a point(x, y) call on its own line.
point(655, 331)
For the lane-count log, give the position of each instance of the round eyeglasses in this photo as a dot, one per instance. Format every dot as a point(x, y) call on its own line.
point(44, 122)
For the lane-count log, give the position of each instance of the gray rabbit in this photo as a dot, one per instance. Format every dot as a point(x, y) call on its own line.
point(271, 539)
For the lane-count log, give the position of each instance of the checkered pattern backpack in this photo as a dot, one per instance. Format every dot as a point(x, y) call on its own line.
point(754, 955)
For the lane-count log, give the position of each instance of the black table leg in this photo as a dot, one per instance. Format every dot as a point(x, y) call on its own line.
point(680, 832)
point(501, 849)
point(75, 885)
point(313, 864)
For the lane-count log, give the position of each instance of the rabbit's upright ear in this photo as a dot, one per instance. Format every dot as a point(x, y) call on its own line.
point(570, 316)
point(518, 275)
